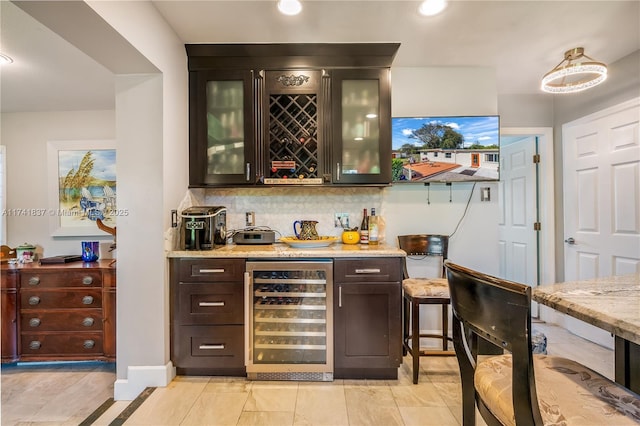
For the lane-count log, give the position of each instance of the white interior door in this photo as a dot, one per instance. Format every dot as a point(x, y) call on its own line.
point(517, 238)
point(602, 199)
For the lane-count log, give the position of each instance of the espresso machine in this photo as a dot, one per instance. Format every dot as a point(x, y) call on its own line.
point(203, 227)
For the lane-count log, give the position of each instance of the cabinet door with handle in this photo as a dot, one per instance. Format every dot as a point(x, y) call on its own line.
point(367, 317)
point(221, 129)
point(361, 105)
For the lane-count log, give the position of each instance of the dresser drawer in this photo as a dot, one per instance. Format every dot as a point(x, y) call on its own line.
point(386, 269)
point(210, 270)
point(60, 299)
point(209, 346)
point(62, 320)
point(210, 303)
point(44, 278)
point(53, 343)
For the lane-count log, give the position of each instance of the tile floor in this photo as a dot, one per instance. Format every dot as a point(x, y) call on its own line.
point(67, 394)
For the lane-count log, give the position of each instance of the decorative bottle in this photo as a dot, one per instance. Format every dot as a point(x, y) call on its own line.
point(373, 228)
point(364, 228)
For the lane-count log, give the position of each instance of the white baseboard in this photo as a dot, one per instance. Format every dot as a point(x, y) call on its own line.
point(141, 377)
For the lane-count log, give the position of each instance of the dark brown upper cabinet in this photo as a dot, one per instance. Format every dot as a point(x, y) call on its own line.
point(361, 114)
point(289, 114)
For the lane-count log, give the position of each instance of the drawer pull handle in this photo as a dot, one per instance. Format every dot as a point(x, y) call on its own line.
point(34, 300)
point(34, 344)
point(210, 346)
point(88, 344)
point(87, 300)
point(204, 304)
point(87, 280)
point(34, 280)
point(368, 271)
point(34, 322)
point(87, 322)
point(212, 271)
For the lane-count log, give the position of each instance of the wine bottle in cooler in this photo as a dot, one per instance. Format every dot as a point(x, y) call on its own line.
point(364, 228)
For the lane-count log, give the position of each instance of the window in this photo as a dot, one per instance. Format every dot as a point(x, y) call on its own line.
point(447, 155)
point(435, 154)
point(492, 158)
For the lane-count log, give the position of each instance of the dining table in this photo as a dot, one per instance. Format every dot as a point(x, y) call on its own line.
point(610, 303)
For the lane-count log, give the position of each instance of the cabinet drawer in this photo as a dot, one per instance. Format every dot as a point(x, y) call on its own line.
point(386, 269)
point(210, 303)
point(60, 279)
point(61, 343)
point(62, 320)
point(209, 346)
point(61, 299)
point(211, 270)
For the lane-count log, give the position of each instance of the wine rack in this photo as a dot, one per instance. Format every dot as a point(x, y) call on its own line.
point(290, 317)
point(293, 147)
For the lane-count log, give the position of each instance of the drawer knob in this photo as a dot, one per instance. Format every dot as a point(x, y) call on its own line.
point(87, 280)
point(34, 300)
point(34, 344)
point(88, 344)
point(87, 322)
point(34, 280)
point(34, 322)
point(87, 300)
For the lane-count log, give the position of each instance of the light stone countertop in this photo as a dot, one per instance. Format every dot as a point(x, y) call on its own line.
point(610, 303)
point(281, 250)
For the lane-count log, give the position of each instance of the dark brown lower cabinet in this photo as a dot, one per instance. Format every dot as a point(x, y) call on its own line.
point(60, 312)
point(207, 316)
point(367, 318)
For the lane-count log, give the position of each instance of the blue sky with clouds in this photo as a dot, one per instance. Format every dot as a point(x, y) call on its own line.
point(104, 166)
point(484, 130)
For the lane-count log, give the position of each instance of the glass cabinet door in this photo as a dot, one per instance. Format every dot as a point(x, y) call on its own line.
point(221, 127)
point(362, 136)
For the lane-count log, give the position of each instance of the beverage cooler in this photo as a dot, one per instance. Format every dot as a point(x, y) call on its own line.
point(289, 320)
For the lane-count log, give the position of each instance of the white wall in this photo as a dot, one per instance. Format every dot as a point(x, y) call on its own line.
point(152, 131)
point(446, 91)
point(25, 136)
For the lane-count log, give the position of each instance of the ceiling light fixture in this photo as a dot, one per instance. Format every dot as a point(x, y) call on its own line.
point(4, 59)
point(571, 75)
point(432, 7)
point(289, 7)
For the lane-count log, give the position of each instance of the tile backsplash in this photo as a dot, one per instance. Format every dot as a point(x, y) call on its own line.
point(278, 208)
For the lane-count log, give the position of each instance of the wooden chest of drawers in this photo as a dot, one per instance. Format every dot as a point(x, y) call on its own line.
point(65, 312)
point(207, 316)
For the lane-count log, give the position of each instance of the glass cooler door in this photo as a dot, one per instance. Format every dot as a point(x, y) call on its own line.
point(290, 320)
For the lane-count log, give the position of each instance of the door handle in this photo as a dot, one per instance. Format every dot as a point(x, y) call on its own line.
point(570, 241)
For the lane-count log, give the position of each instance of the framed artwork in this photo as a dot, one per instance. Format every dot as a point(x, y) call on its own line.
point(82, 187)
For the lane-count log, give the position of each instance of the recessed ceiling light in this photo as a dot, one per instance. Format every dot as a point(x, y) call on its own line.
point(432, 7)
point(4, 59)
point(289, 7)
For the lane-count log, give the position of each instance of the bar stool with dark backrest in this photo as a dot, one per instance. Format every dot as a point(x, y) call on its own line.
point(424, 291)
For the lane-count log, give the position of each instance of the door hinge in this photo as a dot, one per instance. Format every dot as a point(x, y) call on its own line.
point(536, 158)
point(537, 226)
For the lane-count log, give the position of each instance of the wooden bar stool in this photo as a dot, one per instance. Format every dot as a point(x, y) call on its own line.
point(424, 291)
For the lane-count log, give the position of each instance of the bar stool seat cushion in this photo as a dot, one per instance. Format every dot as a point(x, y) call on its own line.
point(426, 287)
point(568, 393)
